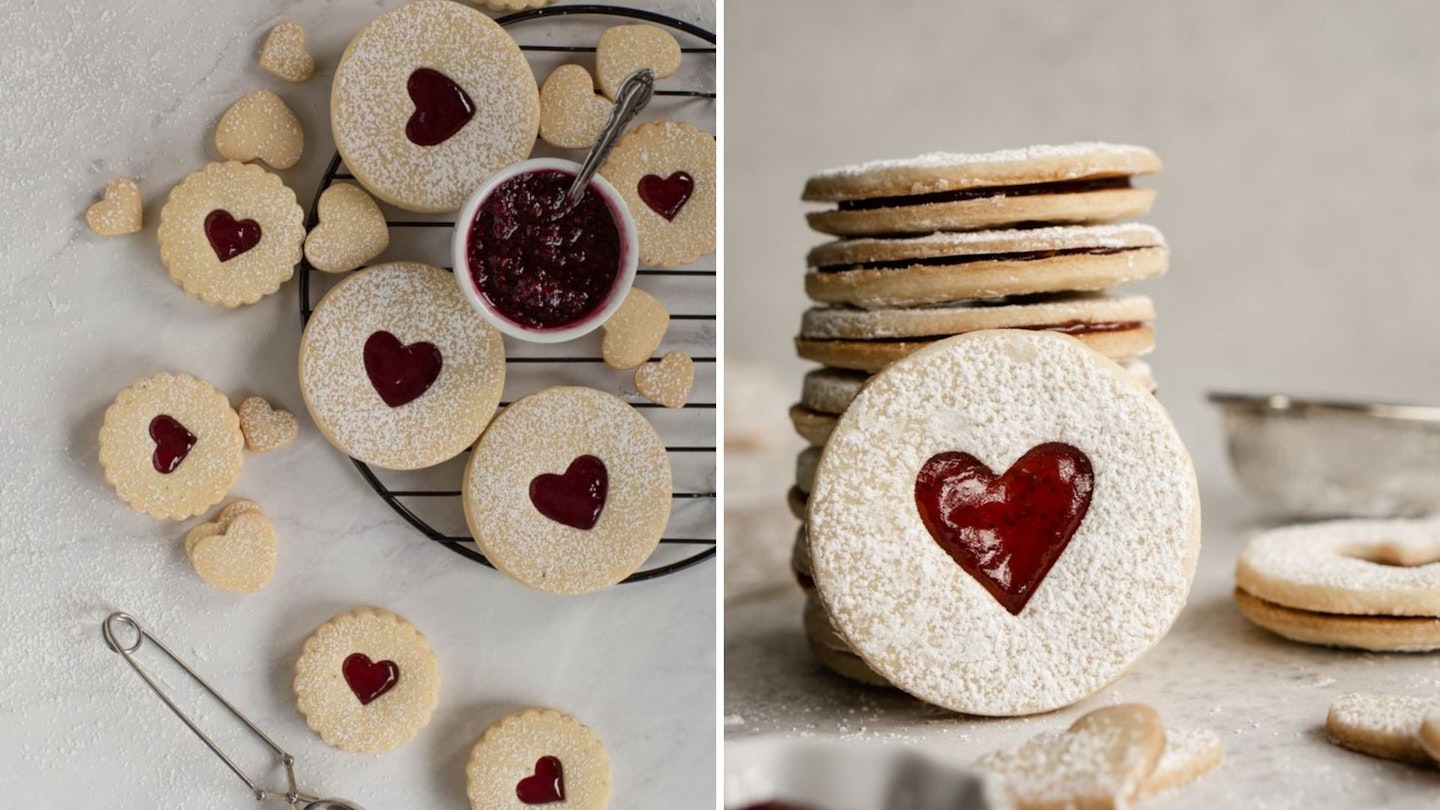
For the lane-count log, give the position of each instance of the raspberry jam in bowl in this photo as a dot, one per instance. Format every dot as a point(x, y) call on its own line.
point(537, 274)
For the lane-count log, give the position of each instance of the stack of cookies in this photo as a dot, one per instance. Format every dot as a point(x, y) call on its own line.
point(945, 244)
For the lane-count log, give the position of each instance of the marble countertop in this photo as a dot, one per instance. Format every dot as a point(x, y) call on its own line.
point(133, 88)
point(1265, 696)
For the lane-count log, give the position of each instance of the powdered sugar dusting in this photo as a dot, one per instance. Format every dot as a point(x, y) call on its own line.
point(1079, 153)
point(1380, 724)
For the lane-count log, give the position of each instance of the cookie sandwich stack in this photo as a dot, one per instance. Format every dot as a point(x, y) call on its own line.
point(945, 244)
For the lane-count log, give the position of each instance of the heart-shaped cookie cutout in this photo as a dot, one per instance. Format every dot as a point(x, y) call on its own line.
point(284, 53)
point(624, 49)
point(442, 107)
point(260, 127)
point(237, 554)
point(230, 237)
point(351, 231)
point(119, 211)
point(266, 428)
point(173, 442)
point(1006, 531)
point(571, 114)
point(546, 785)
point(369, 679)
point(576, 497)
point(401, 373)
point(634, 332)
point(1101, 761)
point(666, 195)
point(667, 382)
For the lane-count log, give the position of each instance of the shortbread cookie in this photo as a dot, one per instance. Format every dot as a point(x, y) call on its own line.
point(831, 390)
point(1190, 753)
point(430, 99)
point(119, 211)
point(397, 369)
point(798, 502)
point(800, 565)
point(818, 628)
point(847, 665)
point(1100, 763)
point(265, 427)
point(235, 552)
point(668, 381)
point(351, 230)
point(538, 757)
point(805, 464)
point(634, 332)
point(367, 681)
point(665, 171)
point(943, 267)
point(1003, 523)
point(571, 113)
point(1374, 633)
point(230, 234)
point(171, 446)
point(1430, 734)
point(232, 510)
point(568, 491)
point(284, 53)
point(1385, 726)
point(813, 426)
point(1077, 183)
point(512, 5)
point(624, 49)
point(260, 127)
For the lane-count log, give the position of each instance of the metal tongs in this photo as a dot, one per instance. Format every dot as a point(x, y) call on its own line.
point(630, 99)
point(292, 795)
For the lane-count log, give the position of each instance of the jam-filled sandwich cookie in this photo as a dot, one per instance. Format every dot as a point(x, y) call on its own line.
point(1003, 522)
point(1368, 584)
point(171, 446)
point(430, 99)
point(943, 267)
point(1118, 326)
point(538, 757)
point(367, 681)
point(1385, 726)
point(230, 234)
point(397, 369)
point(666, 173)
point(944, 191)
point(568, 491)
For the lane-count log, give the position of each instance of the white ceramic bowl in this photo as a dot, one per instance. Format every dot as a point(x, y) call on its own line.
point(628, 260)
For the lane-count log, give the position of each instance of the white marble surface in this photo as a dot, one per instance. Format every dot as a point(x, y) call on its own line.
point(134, 88)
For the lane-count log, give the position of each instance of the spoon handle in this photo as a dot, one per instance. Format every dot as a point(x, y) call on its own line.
point(632, 97)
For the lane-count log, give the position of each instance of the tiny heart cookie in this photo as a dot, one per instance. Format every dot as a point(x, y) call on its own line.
point(284, 53)
point(624, 49)
point(236, 551)
point(119, 211)
point(634, 332)
point(667, 382)
point(260, 127)
point(571, 114)
point(266, 428)
point(351, 232)
point(1385, 726)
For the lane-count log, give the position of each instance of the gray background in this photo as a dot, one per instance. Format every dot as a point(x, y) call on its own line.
point(1301, 144)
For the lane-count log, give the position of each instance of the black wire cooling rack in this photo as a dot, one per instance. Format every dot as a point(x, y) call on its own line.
point(424, 501)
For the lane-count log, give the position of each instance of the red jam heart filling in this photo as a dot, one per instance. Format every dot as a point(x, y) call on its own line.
point(442, 107)
point(400, 373)
point(1007, 531)
point(546, 786)
point(172, 443)
point(666, 196)
point(229, 237)
point(369, 679)
point(575, 498)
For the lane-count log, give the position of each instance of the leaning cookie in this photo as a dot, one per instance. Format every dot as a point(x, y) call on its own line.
point(665, 171)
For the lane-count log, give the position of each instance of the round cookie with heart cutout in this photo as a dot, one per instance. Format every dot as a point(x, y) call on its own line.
point(568, 491)
point(171, 446)
point(538, 757)
point(230, 234)
point(666, 173)
point(1003, 522)
point(367, 681)
point(430, 99)
point(397, 369)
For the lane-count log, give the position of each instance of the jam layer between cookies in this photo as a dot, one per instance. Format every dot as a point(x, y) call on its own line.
point(959, 195)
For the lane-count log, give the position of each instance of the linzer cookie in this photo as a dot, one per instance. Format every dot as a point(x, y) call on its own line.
point(538, 757)
point(666, 173)
point(941, 191)
point(397, 369)
point(1078, 466)
point(430, 99)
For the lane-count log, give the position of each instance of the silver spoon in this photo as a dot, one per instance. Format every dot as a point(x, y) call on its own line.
point(634, 94)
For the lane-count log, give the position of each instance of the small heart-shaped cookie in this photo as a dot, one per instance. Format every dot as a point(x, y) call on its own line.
point(625, 49)
point(260, 126)
point(1381, 725)
point(119, 211)
point(571, 114)
point(668, 381)
point(351, 232)
point(284, 53)
point(235, 556)
point(231, 511)
point(634, 332)
point(266, 428)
